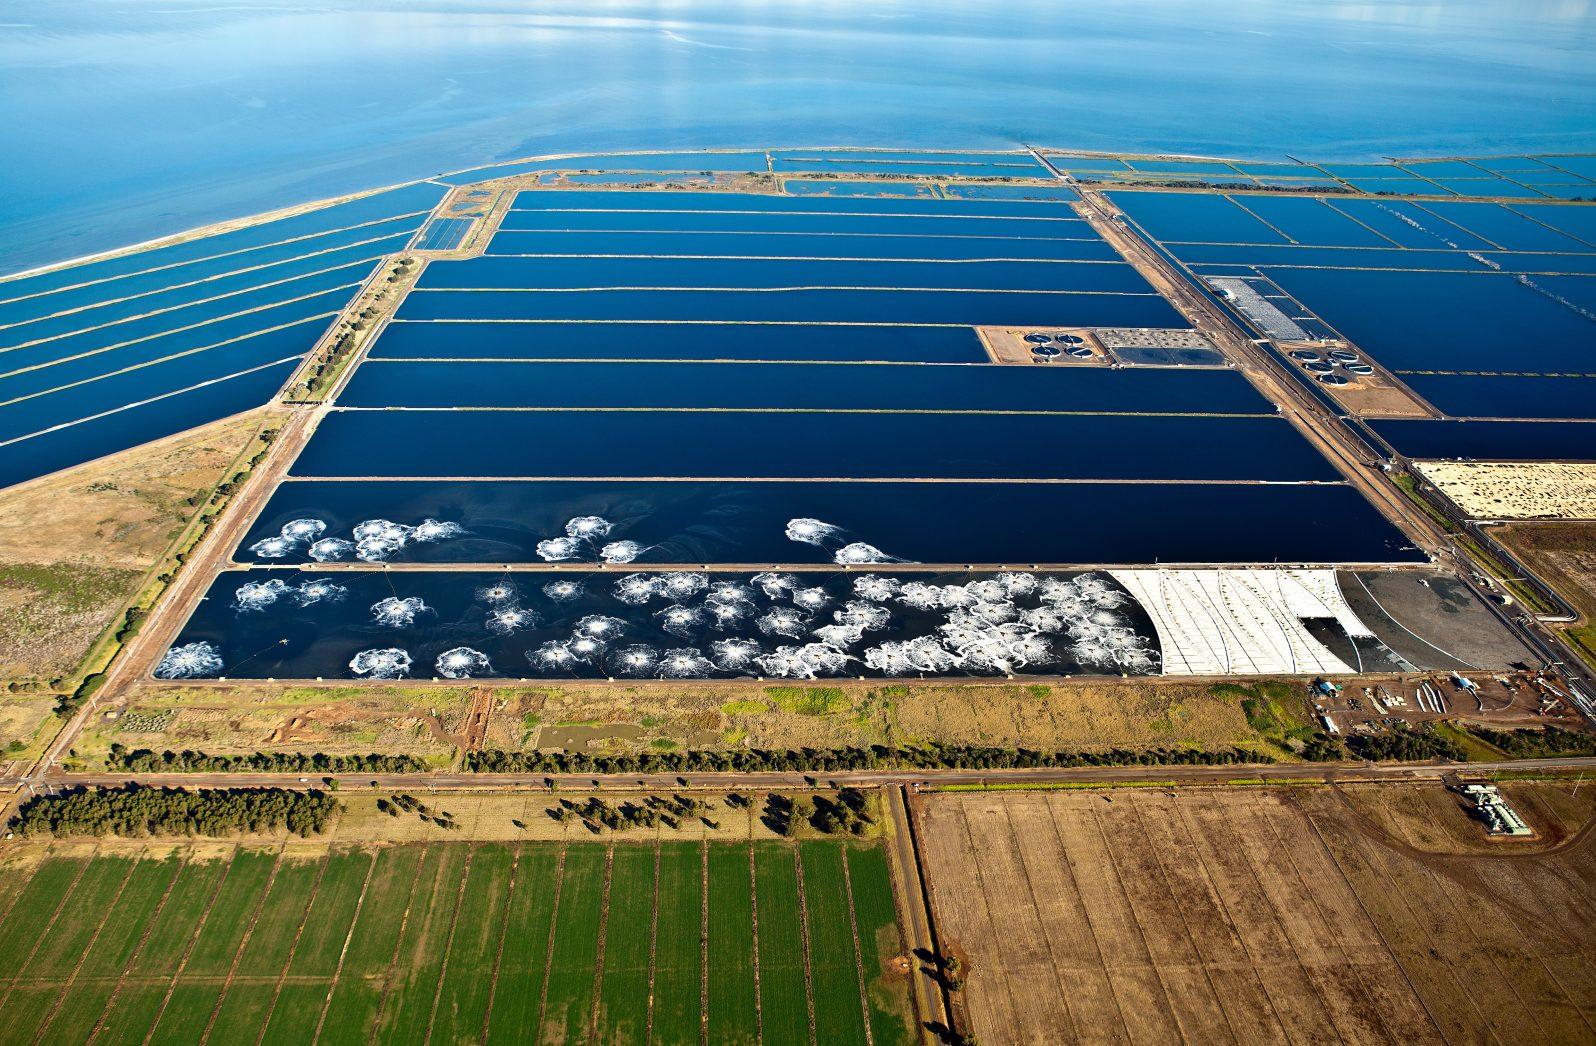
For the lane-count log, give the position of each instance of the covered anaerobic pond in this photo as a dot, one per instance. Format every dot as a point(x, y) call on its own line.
point(674, 625)
point(695, 523)
point(907, 386)
point(464, 339)
point(734, 444)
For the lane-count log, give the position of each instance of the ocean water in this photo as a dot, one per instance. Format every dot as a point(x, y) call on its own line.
point(124, 120)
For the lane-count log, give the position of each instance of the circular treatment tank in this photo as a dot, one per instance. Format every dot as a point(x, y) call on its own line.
point(1069, 339)
point(1333, 379)
point(1081, 352)
point(1318, 368)
point(1045, 350)
point(1359, 368)
point(1038, 339)
point(1305, 356)
point(1343, 356)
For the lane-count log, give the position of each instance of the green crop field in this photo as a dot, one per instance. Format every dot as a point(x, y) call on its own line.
point(455, 943)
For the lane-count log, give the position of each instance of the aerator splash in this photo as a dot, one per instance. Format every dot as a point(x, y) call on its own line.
point(670, 625)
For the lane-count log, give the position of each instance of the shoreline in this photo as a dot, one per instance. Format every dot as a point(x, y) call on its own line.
point(292, 210)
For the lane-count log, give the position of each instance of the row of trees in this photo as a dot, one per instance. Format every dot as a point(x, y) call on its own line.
point(144, 760)
point(1406, 745)
point(1539, 744)
point(137, 811)
point(653, 811)
point(829, 760)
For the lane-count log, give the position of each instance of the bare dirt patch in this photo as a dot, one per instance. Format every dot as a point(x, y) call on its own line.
point(613, 718)
point(1516, 490)
point(1262, 915)
point(425, 723)
point(74, 546)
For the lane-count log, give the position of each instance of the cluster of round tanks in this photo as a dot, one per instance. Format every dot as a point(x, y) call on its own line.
point(1045, 347)
point(1324, 367)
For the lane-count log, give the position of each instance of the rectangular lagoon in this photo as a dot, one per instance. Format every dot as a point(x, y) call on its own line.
point(909, 386)
point(722, 523)
point(678, 341)
point(799, 245)
point(779, 273)
point(738, 444)
point(963, 308)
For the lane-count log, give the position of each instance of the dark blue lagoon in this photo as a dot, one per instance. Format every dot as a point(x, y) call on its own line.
point(675, 625)
point(692, 523)
point(707, 202)
point(281, 326)
point(163, 275)
point(1171, 217)
point(744, 444)
point(678, 341)
point(232, 293)
point(112, 392)
point(1492, 440)
point(908, 386)
point(830, 222)
point(780, 273)
point(1446, 321)
point(965, 308)
point(187, 320)
point(62, 448)
point(1307, 220)
point(789, 245)
point(1507, 396)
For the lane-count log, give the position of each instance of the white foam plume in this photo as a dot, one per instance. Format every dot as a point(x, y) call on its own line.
point(680, 620)
point(254, 596)
point(559, 550)
point(564, 591)
point(621, 552)
point(381, 663)
point(857, 553)
point(784, 621)
point(462, 662)
point(734, 655)
point(504, 620)
point(588, 528)
point(309, 593)
point(813, 532)
point(684, 663)
point(329, 549)
point(636, 589)
point(393, 612)
point(199, 660)
point(429, 530)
